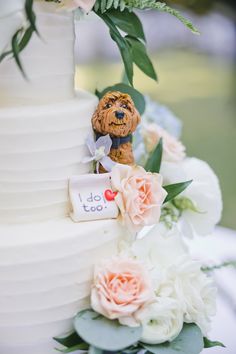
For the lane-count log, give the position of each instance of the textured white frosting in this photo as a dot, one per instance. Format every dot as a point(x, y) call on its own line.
point(45, 278)
point(48, 62)
point(46, 266)
point(40, 148)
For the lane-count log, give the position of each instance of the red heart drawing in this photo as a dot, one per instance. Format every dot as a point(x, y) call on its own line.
point(110, 195)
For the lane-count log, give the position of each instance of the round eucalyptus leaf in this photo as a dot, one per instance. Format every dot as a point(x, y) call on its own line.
point(189, 341)
point(136, 96)
point(105, 334)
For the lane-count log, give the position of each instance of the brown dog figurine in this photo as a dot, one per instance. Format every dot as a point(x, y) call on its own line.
point(117, 116)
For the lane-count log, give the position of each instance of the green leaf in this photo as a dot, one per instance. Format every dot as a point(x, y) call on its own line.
point(128, 22)
point(189, 341)
point(16, 51)
point(136, 96)
point(141, 58)
point(154, 162)
point(124, 79)
point(209, 343)
point(122, 44)
point(82, 346)
point(5, 54)
point(175, 189)
point(26, 38)
point(31, 15)
point(105, 334)
point(69, 341)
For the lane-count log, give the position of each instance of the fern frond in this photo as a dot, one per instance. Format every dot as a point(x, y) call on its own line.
point(162, 7)
point(105, 5)
point(219, 266)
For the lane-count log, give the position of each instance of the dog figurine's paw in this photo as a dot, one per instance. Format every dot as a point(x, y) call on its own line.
point(117, 116)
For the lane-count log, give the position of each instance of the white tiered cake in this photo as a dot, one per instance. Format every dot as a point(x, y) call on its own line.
point(46, 260)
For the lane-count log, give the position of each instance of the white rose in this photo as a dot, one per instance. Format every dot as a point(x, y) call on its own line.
point(161, 321)
point(192, 289)
point(204, 192)
point(11, 19)
point(72, 5)
point(160, 247)
point(173, 149)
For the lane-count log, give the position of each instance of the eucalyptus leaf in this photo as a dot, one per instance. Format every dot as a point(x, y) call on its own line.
point(128, 22)
point(136, 96)
point(210, 344)
point(175, 189)
point(103, 333)
point(189, 341)
point(141, 58)
point(154, 162)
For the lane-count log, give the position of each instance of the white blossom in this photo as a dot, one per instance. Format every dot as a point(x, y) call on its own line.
point(204, 193)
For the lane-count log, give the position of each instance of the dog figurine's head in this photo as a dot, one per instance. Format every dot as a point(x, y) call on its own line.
point(116, 115)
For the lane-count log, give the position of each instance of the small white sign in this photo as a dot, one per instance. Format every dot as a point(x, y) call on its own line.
point(92, 198)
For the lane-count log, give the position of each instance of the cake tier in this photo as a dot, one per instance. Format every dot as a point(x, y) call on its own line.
point(48, 61)
point(45, 279)
point(40, 148)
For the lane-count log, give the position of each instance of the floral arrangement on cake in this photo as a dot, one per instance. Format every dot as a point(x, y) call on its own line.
point(152, 296)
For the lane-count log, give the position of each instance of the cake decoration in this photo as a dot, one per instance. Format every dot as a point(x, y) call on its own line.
point(90, 197)
point(140, 196)
point(117, 116)
point(110, 195)
point(99, 150)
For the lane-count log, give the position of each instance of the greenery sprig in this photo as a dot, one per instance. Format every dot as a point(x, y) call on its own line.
point(105, 5)
point(219, 266)
point(120, 18)
point(99, 335)
point(125, 29)
point(22, 36)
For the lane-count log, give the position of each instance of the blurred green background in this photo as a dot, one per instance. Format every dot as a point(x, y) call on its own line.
point(199, 87)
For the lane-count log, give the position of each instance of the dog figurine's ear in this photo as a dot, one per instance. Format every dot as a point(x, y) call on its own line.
point(136, 119)
point(96, 121)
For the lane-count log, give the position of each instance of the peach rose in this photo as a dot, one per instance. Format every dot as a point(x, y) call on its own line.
point(121, 287)
point(72, 5)
point(173, 149)
point(140, 195)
